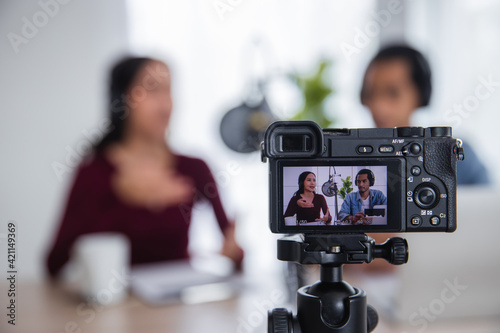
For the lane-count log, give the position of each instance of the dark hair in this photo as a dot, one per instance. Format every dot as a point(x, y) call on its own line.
point(419, 68)
point(369, 173)
point(302, 178)
point(122, 76)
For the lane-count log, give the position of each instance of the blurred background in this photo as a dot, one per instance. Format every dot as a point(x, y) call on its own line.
point(55, 58)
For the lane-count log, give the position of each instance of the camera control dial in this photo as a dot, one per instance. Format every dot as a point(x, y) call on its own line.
point(443, 131)
point(426, 195)
point(408, 132)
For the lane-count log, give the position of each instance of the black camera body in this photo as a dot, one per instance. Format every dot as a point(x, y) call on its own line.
point(409, 175)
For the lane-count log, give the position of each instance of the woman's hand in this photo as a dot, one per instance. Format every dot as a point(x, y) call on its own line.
point(326, 218)
point(150, 184)
point(304, 204)
point(323, 219)
point(231, 249)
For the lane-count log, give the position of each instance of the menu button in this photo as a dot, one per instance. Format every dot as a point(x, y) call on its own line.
point(386, 149)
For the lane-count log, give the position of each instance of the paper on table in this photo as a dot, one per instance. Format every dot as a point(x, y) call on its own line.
point(165, 283)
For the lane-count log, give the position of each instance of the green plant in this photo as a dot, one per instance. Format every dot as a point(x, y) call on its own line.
point(315, 91)
point(346, 188)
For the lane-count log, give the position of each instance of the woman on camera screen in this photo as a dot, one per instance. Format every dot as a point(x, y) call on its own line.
point(306, 204)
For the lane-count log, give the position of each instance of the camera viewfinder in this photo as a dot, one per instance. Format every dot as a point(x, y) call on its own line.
point(289, 143)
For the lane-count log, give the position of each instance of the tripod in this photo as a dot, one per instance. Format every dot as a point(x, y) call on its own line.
point(331, 304)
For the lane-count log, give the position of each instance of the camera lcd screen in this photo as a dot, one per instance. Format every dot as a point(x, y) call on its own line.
point(341, 197)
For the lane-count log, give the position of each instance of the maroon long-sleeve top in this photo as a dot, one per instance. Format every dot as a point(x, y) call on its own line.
point(310, 213)
point(154, 235)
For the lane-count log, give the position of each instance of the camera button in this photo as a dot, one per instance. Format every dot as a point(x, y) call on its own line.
point(415, 148)
point(416, 220)
point(426, 195)
point(386, 149)
point(415, 170)
point(435, 220)
point(365, 149)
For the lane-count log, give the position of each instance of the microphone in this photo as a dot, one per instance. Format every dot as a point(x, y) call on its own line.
point(327, 189)
point(330, 188)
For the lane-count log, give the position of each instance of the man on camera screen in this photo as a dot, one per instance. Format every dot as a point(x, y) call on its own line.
point(355, 203)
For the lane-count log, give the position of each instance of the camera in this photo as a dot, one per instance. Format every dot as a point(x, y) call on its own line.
point(363, 180)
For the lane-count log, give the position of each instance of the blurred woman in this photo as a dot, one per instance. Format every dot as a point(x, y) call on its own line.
point(306, 204)
point(133, 183)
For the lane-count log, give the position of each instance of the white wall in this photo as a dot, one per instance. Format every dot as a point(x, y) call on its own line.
point(52, 90)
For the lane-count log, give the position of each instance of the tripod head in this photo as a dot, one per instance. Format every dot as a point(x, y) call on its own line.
point(338, 249)
point(331, 304)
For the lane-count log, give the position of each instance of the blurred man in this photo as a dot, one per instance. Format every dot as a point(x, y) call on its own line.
point(396, 83)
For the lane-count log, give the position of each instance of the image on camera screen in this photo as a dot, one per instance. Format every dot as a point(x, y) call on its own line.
point(334, 195)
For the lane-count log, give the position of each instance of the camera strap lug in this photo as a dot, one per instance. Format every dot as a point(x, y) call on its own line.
point(460, 150)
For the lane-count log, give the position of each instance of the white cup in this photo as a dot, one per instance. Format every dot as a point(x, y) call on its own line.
point(103, 260)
